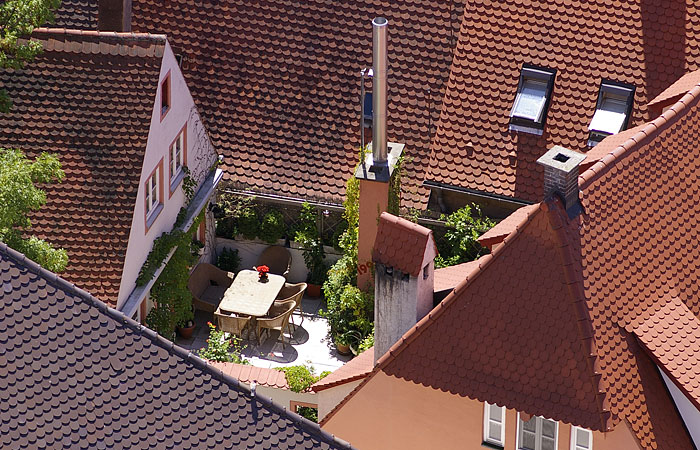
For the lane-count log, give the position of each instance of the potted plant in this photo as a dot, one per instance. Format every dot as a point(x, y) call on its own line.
point(342, 345)
point(348, 342)
point(314, 257)
point(186, 329)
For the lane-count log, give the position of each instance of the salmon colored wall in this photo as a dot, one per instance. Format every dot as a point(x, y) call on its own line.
point(392, 413)
point(374, 199)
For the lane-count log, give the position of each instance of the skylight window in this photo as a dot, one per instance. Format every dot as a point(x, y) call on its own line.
point(612, 111)
point(529, 111)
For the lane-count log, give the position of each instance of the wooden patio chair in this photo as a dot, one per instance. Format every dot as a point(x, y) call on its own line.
point(231, 323)
point(207, 284)
point(277, 258)
point(279, 319)
point(292, 292)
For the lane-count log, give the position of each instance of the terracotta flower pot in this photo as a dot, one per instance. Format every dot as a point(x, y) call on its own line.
point(186, 333)
point(313, 290)
point(343, 349)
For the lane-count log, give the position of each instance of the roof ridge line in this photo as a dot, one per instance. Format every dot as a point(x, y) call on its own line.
point(98, 33)
point(583, 320)
point(649, 131)
point(171, 347)
point(418, 328)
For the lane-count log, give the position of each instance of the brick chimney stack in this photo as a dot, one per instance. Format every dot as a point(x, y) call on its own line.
point(561, 176)
point(114, 15)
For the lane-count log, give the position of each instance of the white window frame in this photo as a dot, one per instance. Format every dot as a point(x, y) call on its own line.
point(152, 201)
point(538, 432)
point(177, 162)
point(574, 431)
point(488, 421)
point(533, 82)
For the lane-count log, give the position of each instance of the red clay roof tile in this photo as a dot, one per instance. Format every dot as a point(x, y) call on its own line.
point(277, 85)
point(506, 226)
point(104, 102)
point(355, 369)
point(447, 278)
point(262, 376)
point(403, 245)
point(473, 147)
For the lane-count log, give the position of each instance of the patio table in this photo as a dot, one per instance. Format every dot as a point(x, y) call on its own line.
point(250, 297)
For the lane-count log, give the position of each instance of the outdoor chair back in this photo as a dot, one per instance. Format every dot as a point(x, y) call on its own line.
point(207, 284)
point(279, 319)
point(277, 258)
point(292, 292)
point(231, 324)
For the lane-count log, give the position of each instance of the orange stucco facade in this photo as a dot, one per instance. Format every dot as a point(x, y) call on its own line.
point(393, 413)
point(374, 199)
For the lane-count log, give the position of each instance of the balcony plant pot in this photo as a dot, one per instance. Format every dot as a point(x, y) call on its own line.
point(187, 330)
point(343, 349)
point(313, 290)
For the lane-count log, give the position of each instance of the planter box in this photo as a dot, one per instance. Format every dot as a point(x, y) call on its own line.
point(250, 250)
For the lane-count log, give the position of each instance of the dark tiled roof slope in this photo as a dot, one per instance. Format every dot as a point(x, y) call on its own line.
point(277, 83)
point(644, 43)
point(77, 14)
point(402, 244)
point(92, 109)
point(612, 292)
point(76, 374)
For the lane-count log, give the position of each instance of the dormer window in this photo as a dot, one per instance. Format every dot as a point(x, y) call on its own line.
point(529, 111)
point(612, 111)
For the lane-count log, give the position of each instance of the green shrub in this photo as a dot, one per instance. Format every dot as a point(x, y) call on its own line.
point(272, 227)
point(459, 243)
point(301, 378)
point(248, 222)
point(308, 413)
point(307, 235)
point(367, 342)
point(228, 260)
point(219, 347)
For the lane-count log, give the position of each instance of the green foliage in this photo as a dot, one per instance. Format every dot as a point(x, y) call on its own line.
point(301, 378)
point(308, 413)
point(188, 184)
point(171, 297)
point(222, 348)
point(459, 243)
point(394, 204)
point(233, 206)
point(248, 223)
point(367, 342)
point(228, 260)
point(272, 227)
point(308, 236)
point(19, 196)
point(17, 19)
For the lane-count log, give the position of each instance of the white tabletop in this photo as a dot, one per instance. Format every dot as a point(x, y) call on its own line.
point(249, 296)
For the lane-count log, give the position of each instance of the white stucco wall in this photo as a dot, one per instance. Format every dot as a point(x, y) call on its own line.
point(689, 413)
point(200, 157)
point(329, 398)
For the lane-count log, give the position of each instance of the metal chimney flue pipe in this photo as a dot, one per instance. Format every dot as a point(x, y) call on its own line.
point(379, 98)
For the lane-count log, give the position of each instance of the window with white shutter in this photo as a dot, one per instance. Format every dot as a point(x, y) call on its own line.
point(494, 424)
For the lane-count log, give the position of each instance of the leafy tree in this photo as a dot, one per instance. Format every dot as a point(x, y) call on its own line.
point(17, 20)
point(459, 243)
point(19, 195)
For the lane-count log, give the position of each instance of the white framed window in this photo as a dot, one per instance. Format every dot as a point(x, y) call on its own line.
point(494, 424)
point(177, 156)
point(612, 111)
point(581, 439)
point(529, 110)
point(537, 433)
point(152, 193)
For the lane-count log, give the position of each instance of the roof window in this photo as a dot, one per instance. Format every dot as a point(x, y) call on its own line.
point(529, 111)
point(612, 111)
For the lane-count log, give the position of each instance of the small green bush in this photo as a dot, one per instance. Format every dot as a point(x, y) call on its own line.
point(228, 260)
point(248, 223)
point(219, 347)
point(367, 342)
point(308, 236)
point(272, 227)
point(308, 413)
point(301, 378)
point(459, 243)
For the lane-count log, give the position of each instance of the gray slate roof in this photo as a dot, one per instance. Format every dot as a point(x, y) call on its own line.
point(77, 374)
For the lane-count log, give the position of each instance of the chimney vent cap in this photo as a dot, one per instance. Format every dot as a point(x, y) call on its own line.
point(561, 159)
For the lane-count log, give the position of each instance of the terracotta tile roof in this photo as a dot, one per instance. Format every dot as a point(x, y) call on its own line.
point(277, 84)
point(403, 245)
point(473, 147)
point(77, 14)
point(506, 226)
point(355, 369)
point(102, 87)
point(447, 278)
point(677, 89)
point(625, 272)
point(261, 376)
point(607, 145)
point(74, 373)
